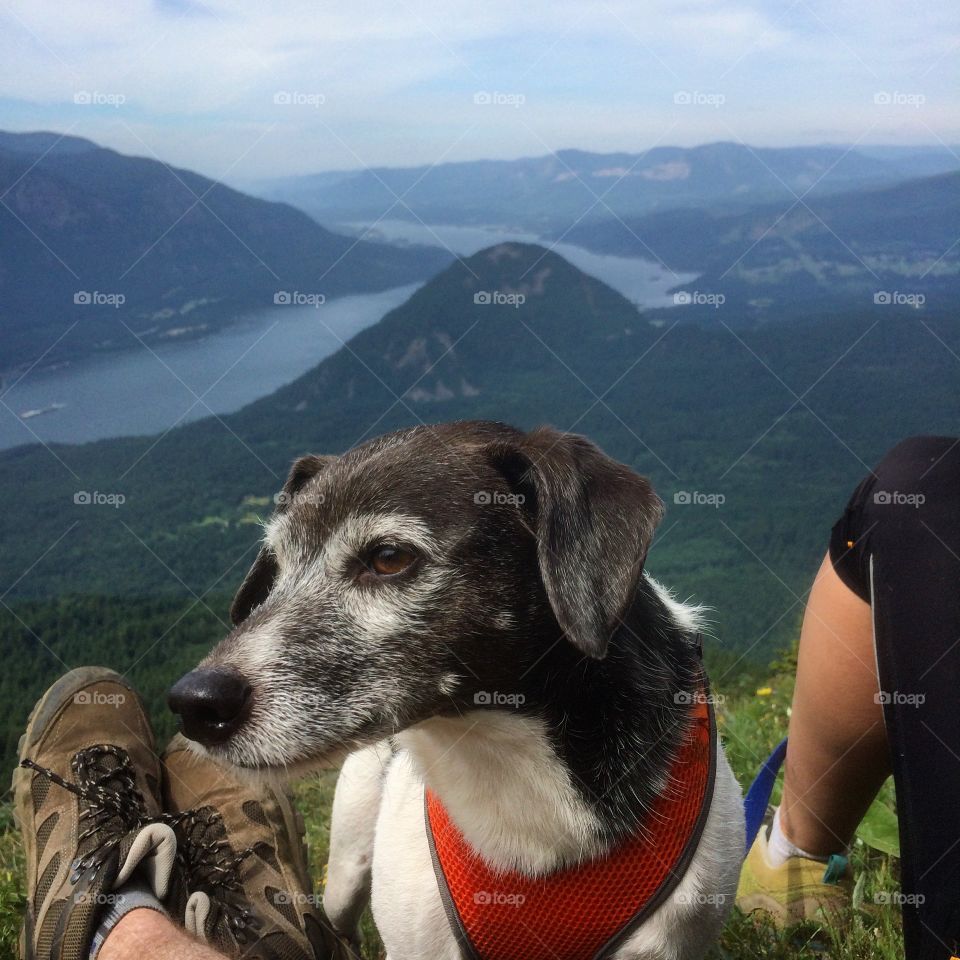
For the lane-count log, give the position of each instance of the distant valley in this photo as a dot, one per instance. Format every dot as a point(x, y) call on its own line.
point(768, 234)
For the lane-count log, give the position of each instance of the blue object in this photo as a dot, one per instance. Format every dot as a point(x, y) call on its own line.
point(758, 796)
point(836, 868)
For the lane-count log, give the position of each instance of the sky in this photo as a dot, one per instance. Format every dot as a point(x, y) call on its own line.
point(242, 91)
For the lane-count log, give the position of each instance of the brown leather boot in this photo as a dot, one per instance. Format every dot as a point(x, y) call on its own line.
point(246, 887)
point(87, 802)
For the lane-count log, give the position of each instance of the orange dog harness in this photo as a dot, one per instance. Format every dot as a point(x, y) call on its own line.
point(583, 912)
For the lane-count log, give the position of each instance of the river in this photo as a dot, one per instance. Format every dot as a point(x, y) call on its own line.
point(145, 391)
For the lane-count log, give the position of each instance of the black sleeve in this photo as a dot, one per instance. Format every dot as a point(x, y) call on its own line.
point(849, 539)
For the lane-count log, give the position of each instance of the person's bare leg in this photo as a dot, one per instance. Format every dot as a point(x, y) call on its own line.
point(837, 758)
point(146, 933)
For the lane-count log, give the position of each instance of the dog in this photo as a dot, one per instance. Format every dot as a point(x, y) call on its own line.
point(463, 609)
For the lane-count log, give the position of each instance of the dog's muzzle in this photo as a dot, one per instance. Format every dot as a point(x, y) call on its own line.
point(212, 703)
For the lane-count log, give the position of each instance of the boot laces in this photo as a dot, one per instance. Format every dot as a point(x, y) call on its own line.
point(212, 866)
point(111, 804)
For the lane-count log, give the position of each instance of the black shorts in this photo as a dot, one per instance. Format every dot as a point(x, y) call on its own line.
point(897, 546)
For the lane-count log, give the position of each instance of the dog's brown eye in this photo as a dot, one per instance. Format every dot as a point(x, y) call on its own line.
point(388, 560)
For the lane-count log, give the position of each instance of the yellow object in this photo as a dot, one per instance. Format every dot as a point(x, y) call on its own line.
point(764, 691)
point(793, 892)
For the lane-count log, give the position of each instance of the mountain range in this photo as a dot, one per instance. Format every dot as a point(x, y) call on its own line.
point(549, 193)
point(798, 256)
point(753, 437)
point(98, 249)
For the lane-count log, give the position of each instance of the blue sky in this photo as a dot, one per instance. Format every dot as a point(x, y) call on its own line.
point(243, 90)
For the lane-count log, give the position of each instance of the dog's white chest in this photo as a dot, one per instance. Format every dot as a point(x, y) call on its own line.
point(405, 898)
point(410, 914)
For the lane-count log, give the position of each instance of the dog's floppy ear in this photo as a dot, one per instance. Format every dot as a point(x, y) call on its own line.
point(593, 519)
point(258, 582)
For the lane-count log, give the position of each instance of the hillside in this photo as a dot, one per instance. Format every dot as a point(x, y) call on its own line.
point(554, 191)
point(753, 438)
point(810, 412)
point(116, 244)
point(787, 258)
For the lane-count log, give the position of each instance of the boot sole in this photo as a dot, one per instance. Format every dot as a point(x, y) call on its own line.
point(43, 712)
point(796, 911)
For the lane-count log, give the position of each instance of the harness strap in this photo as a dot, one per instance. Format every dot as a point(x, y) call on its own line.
point(758, 796)
point(589, 911)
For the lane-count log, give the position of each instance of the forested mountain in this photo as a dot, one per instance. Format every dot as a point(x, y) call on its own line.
point(96, 246)
point(795, 257)
point(754, 437)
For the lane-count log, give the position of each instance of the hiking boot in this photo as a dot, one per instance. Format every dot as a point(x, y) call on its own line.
point(87, 802)
point(246, 890)
point(800, 889)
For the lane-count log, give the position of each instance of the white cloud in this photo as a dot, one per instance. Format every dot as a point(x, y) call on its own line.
point(393, 82)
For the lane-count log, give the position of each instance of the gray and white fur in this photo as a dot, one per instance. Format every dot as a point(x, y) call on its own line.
point(522, 664)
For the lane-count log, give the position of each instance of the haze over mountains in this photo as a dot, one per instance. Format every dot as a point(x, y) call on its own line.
point(551, 192)
point(96, 247)
point(773, 234)
point(99, 251)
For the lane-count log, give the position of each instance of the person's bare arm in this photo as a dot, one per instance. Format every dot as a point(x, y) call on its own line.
point(838, 756)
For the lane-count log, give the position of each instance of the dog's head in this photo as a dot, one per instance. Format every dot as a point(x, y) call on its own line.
point(398, 580)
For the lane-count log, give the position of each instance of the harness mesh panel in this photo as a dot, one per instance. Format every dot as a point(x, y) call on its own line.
point(572, 914)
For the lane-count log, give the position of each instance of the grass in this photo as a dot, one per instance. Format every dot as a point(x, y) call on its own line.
point(751, 724)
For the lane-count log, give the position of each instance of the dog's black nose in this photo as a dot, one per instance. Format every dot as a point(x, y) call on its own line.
point(212, 703)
